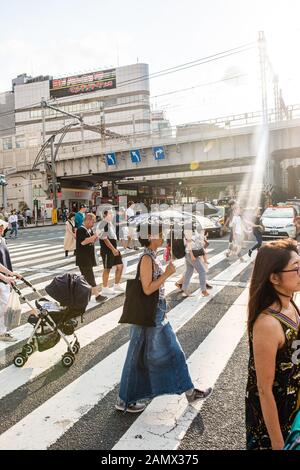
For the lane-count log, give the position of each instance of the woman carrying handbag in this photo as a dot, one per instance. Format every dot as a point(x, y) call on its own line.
point(155, 363)
point(7, 276)
point(70, 235)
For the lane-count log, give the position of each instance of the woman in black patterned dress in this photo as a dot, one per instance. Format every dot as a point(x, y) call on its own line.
point(273, 388)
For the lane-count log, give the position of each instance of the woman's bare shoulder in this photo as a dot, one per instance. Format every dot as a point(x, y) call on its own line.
point(266, 324)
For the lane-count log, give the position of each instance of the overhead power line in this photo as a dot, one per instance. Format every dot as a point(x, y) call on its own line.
point(178, 68)
point(194, 63)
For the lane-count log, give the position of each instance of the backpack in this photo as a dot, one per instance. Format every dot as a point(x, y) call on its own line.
point(293, 440)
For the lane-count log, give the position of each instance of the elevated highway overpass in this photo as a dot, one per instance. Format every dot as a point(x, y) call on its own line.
point(225, 143)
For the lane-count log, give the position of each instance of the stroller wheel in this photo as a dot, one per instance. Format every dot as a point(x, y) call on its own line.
point(68, 359)
point(20, 360)
point(76, 347)
point(28, 349)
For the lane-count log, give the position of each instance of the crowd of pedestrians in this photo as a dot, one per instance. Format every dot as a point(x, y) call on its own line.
point(155, 363)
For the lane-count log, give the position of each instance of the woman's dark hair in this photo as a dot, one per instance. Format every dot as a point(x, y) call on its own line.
point(71, 215)
point(145, 230)
point(271, 258)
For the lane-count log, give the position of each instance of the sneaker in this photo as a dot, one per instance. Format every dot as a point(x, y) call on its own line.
point(198, 394)
point(133, 408)
point(118, 288)
point(107, 291)
point(8, 338)
point(185, 293)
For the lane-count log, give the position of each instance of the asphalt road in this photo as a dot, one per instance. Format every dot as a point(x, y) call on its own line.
point(45, 406)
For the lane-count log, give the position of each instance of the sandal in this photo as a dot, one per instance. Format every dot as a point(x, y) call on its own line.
point(198, 394)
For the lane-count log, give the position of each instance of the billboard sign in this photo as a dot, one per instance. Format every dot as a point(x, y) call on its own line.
point(94, 81)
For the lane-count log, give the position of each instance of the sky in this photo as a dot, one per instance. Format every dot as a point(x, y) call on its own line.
point(67, 37)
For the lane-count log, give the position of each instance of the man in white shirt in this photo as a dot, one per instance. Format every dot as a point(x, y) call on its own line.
point(130, 212)
point(13, 222)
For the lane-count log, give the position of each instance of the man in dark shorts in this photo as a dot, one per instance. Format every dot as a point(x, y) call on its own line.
point(85, 251)
point(110, 254)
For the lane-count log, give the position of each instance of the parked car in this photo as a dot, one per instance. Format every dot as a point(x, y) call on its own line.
point(280, 222)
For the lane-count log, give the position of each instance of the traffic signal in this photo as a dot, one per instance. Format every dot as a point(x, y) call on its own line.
point(58, 187)
point(3, 181)
point(50, 187)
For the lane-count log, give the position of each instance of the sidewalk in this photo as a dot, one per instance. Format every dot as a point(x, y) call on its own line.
point(41, 223)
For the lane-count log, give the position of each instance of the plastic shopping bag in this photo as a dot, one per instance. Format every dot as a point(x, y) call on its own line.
point(12, 317)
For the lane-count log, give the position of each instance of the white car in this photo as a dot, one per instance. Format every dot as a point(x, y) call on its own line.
point(279, 222)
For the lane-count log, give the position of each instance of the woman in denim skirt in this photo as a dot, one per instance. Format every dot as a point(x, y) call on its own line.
point(155, 363)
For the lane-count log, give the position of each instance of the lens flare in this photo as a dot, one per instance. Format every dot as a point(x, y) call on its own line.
point(208, 146)
point(194, 165)
point(252, 186)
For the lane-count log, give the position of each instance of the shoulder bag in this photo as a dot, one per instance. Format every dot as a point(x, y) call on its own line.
point(139, 308)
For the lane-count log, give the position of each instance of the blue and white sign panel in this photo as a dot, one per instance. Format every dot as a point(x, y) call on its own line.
point(159, 153)
point(135, 156)
point(111, 159)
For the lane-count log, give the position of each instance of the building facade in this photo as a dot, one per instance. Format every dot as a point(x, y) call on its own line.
point(115, 101)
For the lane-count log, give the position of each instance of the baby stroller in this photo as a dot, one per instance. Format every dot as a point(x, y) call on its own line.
point(55, 321)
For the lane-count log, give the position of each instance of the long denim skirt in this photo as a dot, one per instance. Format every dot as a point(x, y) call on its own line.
point(155, 363)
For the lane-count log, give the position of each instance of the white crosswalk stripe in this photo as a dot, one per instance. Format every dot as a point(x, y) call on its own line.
point(23, 332)
point(41, 362)
point(166, 419)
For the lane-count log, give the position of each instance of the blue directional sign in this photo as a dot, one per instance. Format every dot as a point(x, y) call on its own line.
point(159, 153)
point(111, 159)
point(135, 156)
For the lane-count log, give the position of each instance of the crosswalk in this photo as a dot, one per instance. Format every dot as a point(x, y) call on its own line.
point(44, 406)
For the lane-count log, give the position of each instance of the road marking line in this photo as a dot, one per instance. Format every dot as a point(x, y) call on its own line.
point(92, 331)
point(47, 423)
point(167, 419)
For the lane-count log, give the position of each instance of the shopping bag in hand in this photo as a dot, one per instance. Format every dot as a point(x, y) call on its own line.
point(12, 317)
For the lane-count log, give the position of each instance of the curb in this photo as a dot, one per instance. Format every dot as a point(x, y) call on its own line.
point(41, 226)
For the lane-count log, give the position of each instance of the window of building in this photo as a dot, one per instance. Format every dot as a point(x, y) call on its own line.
point(20, 141)
point(7, 143)
point(110, 102)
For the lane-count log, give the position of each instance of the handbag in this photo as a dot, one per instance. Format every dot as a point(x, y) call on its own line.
point(139, 308)
point(198, 253)
point(12, 317)
point(72, 226)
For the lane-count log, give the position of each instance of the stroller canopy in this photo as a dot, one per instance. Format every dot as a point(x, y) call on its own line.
point(70, 290)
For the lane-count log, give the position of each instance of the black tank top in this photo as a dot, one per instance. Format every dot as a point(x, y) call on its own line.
point(286, 387)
